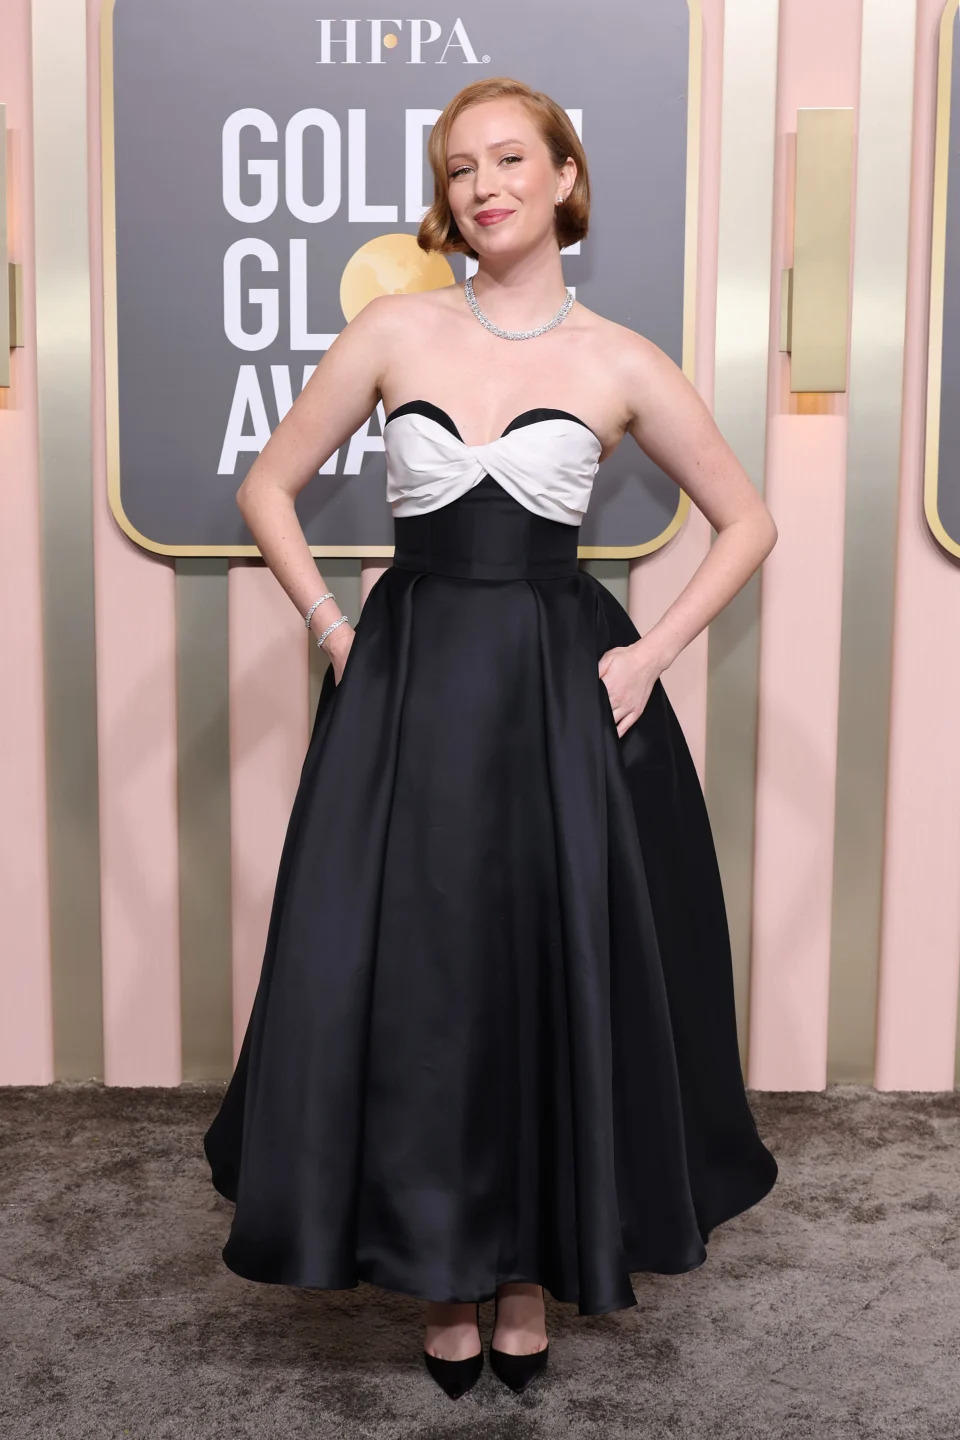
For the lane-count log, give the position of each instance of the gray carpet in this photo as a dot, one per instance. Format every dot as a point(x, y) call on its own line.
point(832, 1309)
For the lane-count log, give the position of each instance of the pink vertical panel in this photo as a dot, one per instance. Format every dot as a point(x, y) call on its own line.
point(797, 753)
point(656, 580)
point(26, 1033)
point(269, 716)
point(137, 749)
point(920, 949)
point(802, 589)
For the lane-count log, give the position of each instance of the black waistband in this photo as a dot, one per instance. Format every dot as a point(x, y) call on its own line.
point(486, 534)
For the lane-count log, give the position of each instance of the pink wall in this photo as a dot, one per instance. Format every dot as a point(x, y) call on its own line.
point(26, 1032)
point(137, 739)
point(802, 588)
point(656, 580)
point(799, 669)
point(920, 955)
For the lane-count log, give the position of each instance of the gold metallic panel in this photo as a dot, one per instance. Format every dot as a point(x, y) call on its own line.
point(61, 209)
point(11, 293)
point(819, 298)
point(203, 790)
point(750, 41)
point(14, 307)
point(873, 476)
point(938, 262)
point(786, 308)
point(5, 307)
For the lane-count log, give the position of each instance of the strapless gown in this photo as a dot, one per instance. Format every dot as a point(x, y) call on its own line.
point(494, 1036)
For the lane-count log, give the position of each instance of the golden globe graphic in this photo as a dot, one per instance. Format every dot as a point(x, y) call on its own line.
point(390, 265)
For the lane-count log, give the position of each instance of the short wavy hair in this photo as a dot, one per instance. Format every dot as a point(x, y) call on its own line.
point(438, 229)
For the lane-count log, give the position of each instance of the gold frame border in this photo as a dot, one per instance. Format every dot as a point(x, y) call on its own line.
point(111, 363)
point(938, 260)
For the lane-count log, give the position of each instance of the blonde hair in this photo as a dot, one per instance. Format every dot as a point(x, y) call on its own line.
point(438, 229)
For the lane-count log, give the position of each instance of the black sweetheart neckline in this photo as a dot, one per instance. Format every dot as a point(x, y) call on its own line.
point(550, 412)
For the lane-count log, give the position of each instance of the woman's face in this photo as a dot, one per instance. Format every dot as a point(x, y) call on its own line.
point(497, 161)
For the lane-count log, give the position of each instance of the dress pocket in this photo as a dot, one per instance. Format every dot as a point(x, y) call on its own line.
point(338, 684)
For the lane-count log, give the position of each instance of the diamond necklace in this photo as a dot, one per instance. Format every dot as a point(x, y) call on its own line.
point(513, 334)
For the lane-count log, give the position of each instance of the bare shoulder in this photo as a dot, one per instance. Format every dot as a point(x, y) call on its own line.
point(666, 415)
point(388, 321)
point(633, 352)
point(640, 372)
point(406, 308)
point(379, 317)
point(387, 315)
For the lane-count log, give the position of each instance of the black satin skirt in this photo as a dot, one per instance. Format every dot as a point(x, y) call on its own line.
point(494, 1037)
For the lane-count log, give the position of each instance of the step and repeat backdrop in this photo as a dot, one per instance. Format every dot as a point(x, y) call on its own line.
point(265, 175)
point(201, 198)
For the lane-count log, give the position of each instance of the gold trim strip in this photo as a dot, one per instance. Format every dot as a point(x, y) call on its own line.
point(64, 358)
point(870, 533)
point(750, 53)
point(938, 264)
point(6, 339)
point(203, 788)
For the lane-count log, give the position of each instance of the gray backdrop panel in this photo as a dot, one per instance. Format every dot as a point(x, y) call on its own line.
point(180, 70)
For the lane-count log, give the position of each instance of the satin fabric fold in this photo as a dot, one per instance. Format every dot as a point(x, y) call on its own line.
point(494, 1036)
point(548, 467)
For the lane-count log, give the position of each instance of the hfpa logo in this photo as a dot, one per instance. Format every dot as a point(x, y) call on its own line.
point(342, 34)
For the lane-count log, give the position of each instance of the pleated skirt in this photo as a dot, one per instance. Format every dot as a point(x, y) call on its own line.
point(494, 1035)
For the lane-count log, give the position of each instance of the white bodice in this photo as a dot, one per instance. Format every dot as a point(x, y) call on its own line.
point(547, 464)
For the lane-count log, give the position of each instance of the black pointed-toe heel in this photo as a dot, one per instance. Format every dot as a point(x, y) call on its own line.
point(456, 1376)
point(517, 1371)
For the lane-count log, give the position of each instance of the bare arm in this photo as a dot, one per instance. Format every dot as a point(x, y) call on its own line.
point(339, 396)
point(671, 423)
point(673, 426)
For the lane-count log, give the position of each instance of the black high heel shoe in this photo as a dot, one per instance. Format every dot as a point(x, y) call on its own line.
point(517, 1371)
point(456, 1376)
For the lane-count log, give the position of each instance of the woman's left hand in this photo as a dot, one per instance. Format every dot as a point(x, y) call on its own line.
point(629, 672)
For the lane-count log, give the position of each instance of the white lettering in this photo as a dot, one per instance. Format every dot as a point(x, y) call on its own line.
point(417, 40)
point(417, 121)
point(459, 37)
point(267, 299)
point(246, 397)
point(301, 338)
point(296, 203)
point(349, 40)
point(357, 207)
point(266, 169)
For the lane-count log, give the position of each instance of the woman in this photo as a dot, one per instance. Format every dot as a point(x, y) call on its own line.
point(493, 1049)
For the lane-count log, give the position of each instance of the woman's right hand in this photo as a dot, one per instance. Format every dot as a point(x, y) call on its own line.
point(338, 646)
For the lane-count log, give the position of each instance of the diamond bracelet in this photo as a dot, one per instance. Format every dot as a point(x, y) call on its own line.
point(309, 614)
point(329, 628)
